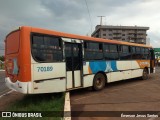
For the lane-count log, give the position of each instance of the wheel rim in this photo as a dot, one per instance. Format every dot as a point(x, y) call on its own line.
point(99, 82)
point(145, 74)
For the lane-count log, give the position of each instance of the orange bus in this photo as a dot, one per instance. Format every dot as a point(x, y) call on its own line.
point(46, 61)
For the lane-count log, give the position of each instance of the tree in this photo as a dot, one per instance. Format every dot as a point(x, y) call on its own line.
point(2, 58)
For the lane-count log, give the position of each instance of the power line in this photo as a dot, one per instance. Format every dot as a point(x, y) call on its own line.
point(89, 14)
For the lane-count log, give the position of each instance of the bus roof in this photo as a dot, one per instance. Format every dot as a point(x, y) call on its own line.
point(73, 36)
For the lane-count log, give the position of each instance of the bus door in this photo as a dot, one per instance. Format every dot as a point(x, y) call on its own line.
point(152, 61)
point(73, 57)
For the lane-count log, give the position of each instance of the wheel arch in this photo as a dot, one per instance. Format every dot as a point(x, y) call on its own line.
point(146, 69)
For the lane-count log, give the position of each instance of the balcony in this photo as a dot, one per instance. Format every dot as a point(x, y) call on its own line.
point(132, 41)
point(141, 32)
point(131, 32)
point(141, 41)
point(117, 35)
point(117, 31)
point(141, 36)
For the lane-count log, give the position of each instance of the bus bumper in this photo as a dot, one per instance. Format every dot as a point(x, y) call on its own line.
point(17, 86)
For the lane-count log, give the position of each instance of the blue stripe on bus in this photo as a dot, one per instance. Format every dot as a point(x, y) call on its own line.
point(104, 66)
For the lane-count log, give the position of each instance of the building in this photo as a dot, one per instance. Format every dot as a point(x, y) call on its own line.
point(134, 34)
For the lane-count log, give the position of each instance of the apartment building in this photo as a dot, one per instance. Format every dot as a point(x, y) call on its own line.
point(135, 34)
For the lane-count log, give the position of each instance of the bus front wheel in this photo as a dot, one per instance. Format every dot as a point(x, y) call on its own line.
point(145, 74)
point(99, 81)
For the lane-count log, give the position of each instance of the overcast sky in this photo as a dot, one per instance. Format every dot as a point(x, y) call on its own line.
point(72, 16)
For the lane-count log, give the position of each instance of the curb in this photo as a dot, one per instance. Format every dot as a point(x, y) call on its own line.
point(67, 107)
point(2, 70)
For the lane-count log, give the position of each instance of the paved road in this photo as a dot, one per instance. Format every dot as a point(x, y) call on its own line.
point(3, 87)
point(130, 95)
point(10, 98)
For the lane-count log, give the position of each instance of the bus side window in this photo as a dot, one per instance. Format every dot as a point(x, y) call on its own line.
point(37, 42)
point(100, 47)
point(119, 48)
point(106, 51)
point(143, 53)
point(93, 51)
point(113, 54)
point(125, 54)
point(146, 53)
point(133, 50)
point(49, 48)
point(138, 53)
point(85, 45)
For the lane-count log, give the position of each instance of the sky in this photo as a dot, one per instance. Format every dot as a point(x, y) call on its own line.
point(71, 16)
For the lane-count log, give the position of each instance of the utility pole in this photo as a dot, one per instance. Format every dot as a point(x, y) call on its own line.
point(101, 19)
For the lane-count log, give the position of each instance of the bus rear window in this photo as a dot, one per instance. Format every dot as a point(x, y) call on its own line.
point(12, 43)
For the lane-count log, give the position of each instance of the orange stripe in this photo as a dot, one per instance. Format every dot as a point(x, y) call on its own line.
point(143, 63)
point(89, 70)
point(67, 35)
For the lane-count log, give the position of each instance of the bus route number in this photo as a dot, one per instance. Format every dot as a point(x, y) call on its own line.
point(45, 69)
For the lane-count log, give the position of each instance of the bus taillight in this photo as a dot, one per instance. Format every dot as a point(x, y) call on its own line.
point(9, 66)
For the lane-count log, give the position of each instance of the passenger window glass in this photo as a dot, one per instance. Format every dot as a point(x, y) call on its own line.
point(125, 49)
point(46, 48)
point(125, 54)
point(110, 52)
point(106, 48)
point(138, 49)
point(93, 51)
point(113, 48)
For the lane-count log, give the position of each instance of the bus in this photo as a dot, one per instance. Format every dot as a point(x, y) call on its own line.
point(46, 61)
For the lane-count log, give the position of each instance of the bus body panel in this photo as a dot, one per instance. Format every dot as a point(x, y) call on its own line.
point(21, 65)
point(18, 85)
point(49, 77)
point(49, 86)
point(26, 55)
point(88, 80)
point(35, 77)
point(12, 55)
point(69, 79)
point(115, 70)
point(48, 71)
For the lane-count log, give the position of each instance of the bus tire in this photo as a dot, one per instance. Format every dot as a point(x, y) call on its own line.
point(99, 81)
point(145, 74)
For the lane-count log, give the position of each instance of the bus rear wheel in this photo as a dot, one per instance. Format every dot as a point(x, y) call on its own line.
point(99, 81)
point(145, 74)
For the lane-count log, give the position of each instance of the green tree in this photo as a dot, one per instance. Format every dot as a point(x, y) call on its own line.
point(2, 58)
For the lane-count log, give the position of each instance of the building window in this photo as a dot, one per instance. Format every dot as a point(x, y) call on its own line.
point(110, 34)
point(104, 34)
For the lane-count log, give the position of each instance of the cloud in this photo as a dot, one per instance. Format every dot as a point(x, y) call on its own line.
point(72, 16)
